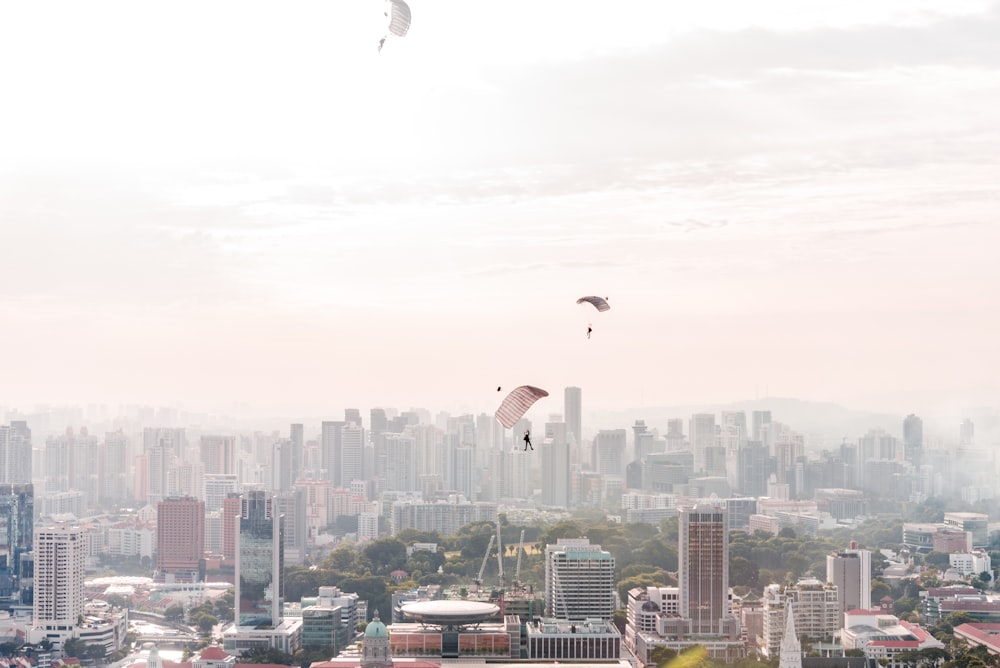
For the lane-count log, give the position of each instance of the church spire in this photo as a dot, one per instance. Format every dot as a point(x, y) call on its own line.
point(791, 648)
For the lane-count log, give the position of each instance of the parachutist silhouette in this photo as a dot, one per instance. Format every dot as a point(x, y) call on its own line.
point(380, 43)
point(589, 330)
point(498, 388)
point(527, 440)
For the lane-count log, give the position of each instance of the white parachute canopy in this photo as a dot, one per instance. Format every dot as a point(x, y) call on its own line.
point(399, 17)
point(517, 403)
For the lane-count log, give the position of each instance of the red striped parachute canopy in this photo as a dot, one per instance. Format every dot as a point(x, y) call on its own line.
point(517, 403)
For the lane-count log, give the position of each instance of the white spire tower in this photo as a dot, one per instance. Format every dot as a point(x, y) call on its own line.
point(791, 648)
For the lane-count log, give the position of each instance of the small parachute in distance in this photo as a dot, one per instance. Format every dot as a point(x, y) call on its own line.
point(399, 18)
point(517, 403)
point(600, 303)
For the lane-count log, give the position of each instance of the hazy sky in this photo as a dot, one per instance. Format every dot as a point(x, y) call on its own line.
point(210, 203)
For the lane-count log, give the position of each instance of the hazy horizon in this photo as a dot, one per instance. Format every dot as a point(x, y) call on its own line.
point(247, 204)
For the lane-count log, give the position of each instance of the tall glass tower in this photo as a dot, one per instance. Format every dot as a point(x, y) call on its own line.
point(260, 559)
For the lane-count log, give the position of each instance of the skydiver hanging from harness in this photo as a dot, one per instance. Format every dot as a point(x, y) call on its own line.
point(589, 330)
point(527, 440)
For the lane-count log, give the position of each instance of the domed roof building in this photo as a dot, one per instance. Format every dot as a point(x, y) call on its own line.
point(375, 650)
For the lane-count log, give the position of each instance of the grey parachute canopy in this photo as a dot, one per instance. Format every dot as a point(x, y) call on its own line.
point(599, 303)
point(517, 403)
point(399, 17)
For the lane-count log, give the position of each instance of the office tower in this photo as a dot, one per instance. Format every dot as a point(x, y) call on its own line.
point(913, 439)
point(282, 479)
point(180, 535)
point(378, 423)
point(216, 488)
point(352, 454)
point(352, 416)
point(642, 440)
point(115, 464)
point(966, 433)
point(297, 436)
point(231, 510)
point(400, 472)
point(609, 451)
point(555, 465)
point(754, 467)
point(331, 439)
point(573, 410)
point(159, 459)
point(851, 572)
point(758, 421)
point(17, 504)
point(218, 454)
point(701, 430)
point(260, 560)
point(295, 518)
point(579, 581)
point(703, 568)
point(60, 567)
point(15, 453)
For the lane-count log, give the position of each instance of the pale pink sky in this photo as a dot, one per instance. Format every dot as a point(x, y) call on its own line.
point(246, 202)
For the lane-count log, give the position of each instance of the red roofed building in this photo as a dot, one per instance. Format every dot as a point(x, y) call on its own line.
point(973, 633)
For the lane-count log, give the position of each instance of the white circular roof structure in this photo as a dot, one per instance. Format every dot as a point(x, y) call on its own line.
point(450, 613)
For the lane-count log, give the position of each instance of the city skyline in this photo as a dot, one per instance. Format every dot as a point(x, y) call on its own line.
point(782, 200)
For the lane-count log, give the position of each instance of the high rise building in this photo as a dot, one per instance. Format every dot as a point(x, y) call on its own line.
point(400, 471)
point(579, 580)
point(216, 487)
point(967, 433)
point(297, 436)
point(851, 572)
point(758, 421)
point(15, 453)
point(703, 568)
point(218, 454)
point(913, 439)
point(573, 409)
point(115, 466)
point(60, 567)
point(180, 535)
point(331, 444)
point(17, 503)
point(260, 560)
point(352, 454)
point(231, 512)
point(609, 452)
point(555, 458)
point(701, 433)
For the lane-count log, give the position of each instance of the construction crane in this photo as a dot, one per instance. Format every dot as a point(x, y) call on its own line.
point(482, 569)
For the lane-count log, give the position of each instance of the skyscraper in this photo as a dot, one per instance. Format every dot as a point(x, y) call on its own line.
point(701, 433)
point(555, 465)
point(573, 409)
point(17, 503)
point(703, 568)
point(579, 580)
point(260, 560)
point(851, 572)
point(331, 439)
point(15, 452)
point(913, 439)
point(180, 535)
point(609, 452)
point(60, 567)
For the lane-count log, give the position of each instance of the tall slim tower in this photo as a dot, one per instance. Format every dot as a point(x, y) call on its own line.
point(913, 439)
point(579, 580)
point(60, 566)
point(555, 465)
point(703, 568)
point(701, 430)
point(573, 410)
